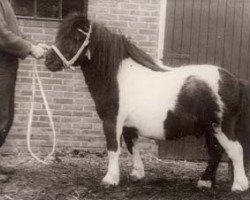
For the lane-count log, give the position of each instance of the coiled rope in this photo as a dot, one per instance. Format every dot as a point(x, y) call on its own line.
point(34, 77)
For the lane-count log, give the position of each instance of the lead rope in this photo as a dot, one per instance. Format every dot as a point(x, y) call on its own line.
point(34, 77)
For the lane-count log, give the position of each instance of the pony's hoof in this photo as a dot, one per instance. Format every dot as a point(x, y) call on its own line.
point(204, 184)
point(240, 185)
point(109, 181)
point(137, 175)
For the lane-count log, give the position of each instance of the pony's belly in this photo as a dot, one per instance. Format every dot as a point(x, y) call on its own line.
point(147, 126)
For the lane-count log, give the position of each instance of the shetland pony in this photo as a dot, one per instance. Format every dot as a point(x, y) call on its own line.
point(135, 96)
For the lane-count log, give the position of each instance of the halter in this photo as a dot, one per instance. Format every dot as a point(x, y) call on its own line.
point(69, 63)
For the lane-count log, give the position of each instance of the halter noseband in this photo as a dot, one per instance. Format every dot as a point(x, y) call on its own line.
point(69, 63)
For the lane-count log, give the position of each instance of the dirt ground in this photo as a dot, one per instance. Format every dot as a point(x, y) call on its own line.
point(77, 176)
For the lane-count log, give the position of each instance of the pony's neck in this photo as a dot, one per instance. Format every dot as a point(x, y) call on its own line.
point(103, 89)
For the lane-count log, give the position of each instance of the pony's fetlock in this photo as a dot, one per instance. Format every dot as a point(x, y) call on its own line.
point(204, 184)
point(137, 174)
point(240, 184)
point(110, 180)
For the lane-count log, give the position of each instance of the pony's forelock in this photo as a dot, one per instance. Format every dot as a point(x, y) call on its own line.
point(70, 23)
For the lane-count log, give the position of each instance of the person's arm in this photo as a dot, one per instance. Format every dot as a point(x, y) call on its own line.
point(11, 42)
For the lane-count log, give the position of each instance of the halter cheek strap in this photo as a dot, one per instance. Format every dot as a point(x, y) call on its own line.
point(69, 63)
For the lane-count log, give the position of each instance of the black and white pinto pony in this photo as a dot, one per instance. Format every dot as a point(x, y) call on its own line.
point(135, 96)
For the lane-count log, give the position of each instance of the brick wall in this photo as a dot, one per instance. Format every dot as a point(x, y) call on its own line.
point(76, 121)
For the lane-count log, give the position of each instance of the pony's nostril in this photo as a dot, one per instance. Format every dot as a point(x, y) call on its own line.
point(48, 56)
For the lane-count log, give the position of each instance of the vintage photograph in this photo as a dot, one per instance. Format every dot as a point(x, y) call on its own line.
point(124, 99)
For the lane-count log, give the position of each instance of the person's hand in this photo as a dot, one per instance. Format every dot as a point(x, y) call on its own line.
point(44, 46)
point(37, 51)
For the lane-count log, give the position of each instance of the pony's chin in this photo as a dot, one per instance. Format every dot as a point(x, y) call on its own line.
point(53, 68)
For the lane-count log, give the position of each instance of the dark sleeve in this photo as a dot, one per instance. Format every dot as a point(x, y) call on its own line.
point(11, 42)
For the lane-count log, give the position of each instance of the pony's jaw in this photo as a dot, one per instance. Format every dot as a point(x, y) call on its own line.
point(52, 62)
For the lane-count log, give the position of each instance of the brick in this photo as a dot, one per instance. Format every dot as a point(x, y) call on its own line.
point(62, 75)
point(81, 88)
point(23, 73)
point(149, 7)
point(63, 101)
point(43, 37)
point(40, 124)
point(50, 24)
point(140, 13)
point(128, 18)
point(89, 108)
point(32, 30)
point(129, 6)
point(140, 1)
point(148, 19)
point(148, 31)
point(44, 74)
point(62, 88)
point(73, 107)
point(83, 126)
point(62, 113)
point(148, 44)
point(82, 114)
point(102, 9)
point(22, 99)
point(108, 4)
point(118, 11)
point(75, 95)
point(30, 23)
point(118, 24)
point(52, 81)
point(138, 25)
point(50, 31)
point(26, 93)
point(24, 80)
point(107, 16)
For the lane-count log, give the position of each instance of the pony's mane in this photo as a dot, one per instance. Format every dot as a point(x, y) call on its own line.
point(109, 49)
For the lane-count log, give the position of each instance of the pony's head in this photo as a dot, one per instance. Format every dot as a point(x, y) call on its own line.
point(73, 35)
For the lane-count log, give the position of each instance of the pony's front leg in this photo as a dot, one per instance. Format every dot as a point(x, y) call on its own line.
point(112, 131)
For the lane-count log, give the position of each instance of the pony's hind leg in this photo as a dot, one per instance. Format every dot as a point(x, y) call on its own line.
point(235, 152)
point(131, 139)
point(113, 133)
point(215, 151)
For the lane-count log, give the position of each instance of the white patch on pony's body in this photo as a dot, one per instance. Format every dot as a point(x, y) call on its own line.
point(146, 96)
point(113, 174)
point(235, 153)
point(138, 172)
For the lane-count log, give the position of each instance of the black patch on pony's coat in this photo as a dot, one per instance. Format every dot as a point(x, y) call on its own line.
point(215, 152)
point(195, 111)
point(129, 135)
point(243, 123)
point(229, 92)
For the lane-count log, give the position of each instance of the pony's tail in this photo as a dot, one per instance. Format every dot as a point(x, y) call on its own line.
point(243, 124)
